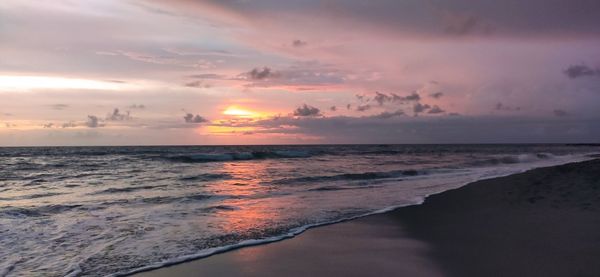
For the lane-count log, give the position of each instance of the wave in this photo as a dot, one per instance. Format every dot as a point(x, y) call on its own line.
point(46, 210)
point(180, 199)
point(126, 189)
point(239, 156)
point(169, 199)
point(206, 177)
point(165, 199)
point(336, 188)
point(20, 212)
point(40, 195)
point(352, 177)
point(218, 208)
point(512, 159)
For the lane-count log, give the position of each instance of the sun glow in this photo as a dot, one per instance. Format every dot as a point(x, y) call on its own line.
point(238, 112)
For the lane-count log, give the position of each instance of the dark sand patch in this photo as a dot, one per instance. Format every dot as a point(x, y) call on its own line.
point(545, 222)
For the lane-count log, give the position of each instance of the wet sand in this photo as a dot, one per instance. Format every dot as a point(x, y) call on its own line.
point(544, 222)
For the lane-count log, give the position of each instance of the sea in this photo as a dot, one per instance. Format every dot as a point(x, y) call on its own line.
point(111, 211)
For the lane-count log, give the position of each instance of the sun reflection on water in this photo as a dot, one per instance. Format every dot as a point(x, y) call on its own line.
point(248, 183)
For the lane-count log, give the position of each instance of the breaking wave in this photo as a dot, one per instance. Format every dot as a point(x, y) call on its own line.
point(239, 156)
point(512, 159)
point(352, 177)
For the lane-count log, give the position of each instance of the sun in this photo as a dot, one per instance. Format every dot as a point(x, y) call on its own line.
point(240, 112)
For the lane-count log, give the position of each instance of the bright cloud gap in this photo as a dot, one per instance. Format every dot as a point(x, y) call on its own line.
point(10, 83)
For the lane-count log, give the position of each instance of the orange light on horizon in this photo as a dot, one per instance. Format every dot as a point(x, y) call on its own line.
point(240, 112)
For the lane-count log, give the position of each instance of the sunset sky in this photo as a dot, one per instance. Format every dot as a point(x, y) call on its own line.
point(138, 72)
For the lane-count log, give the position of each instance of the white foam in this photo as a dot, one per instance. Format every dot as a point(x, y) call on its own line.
point(253, 242)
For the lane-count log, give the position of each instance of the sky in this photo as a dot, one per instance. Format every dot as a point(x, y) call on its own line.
point(180, 72)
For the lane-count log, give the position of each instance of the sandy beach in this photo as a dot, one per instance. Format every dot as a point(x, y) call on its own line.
point(544, 222)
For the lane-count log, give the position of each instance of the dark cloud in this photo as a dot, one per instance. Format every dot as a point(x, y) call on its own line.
point(388, 128)
point(362, 108)
point(420, 108)
point(435, 17)
point(412, 97)
point(560, 113)
point(70, 124)
point(582, 70)
point(299, 43)
point(306, 110)
point(501, 107)
point(382, 98)
point(436, 110)
point(386, 115)
point(190, 118)
point(59, 106)
point(48, 125)
point(349, 106)
point(333, 108)
point(93, 122)
point(197, 84)
point(261, 74)
point(437, 95)
point(116, 115)
point(203, 84)
point(302, 75)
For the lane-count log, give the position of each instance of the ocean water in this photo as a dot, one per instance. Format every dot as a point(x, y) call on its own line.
point(98, 211)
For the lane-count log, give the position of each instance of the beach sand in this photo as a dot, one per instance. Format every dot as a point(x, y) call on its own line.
point(544, 222)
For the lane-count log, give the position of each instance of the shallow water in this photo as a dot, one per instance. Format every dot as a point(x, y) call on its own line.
point(112, 210)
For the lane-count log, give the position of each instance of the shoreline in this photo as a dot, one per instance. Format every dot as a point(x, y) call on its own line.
point(202, 263)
